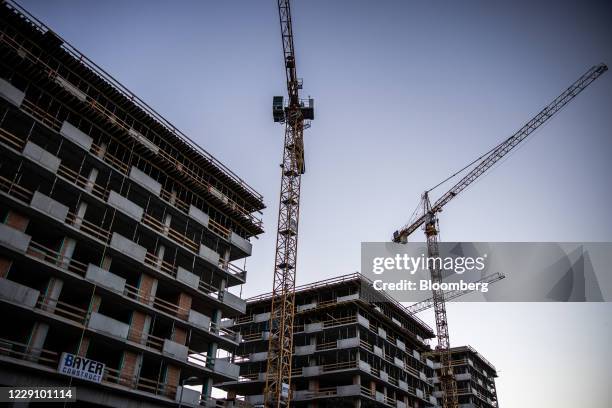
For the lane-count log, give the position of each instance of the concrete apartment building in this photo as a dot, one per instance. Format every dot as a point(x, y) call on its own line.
point(475, 377)
point(118, 235)
point(353, 348)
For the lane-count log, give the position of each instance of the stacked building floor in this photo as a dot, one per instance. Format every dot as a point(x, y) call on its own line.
point(121, 242)
point(120, 238)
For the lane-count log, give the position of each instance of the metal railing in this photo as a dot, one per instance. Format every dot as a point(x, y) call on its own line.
point(78, 56)
point(81, 181)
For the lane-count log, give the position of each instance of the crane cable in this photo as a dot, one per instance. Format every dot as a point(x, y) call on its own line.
point(465, 167)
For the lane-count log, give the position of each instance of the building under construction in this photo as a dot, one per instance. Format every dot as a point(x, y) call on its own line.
point(118, 234)
point(475, 377)
point(353, 347)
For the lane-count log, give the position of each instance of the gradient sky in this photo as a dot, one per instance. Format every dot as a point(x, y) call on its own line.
point(406, 93)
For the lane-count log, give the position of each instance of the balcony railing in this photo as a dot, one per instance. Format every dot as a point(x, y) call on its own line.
point(56, 259)
point(88, 227)
point(82, 181)
point(11, 187)
point(23, 351)
point(50, 359)
point(62, 309)
point(101, 192)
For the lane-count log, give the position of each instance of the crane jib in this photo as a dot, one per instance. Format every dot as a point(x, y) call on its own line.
point(506, 146)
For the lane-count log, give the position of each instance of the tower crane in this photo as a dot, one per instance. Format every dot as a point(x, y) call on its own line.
point(429, 221)
point(296, 115)
point(453, 294)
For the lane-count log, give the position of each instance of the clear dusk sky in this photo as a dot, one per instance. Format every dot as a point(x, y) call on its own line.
point(406, 92)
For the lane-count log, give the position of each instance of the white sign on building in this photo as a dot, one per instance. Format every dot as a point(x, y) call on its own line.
point(81, 367)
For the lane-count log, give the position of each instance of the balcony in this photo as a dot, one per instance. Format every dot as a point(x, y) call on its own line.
point(12, 94)
point(54, 164)
point(118, 285)
point(14, 239)
point(16, 293)
point(49, 359)
point(114, 328)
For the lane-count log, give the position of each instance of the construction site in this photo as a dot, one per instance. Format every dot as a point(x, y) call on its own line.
point(123, 246)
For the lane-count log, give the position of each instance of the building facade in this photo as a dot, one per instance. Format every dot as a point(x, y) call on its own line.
point(353, 348)
point(119, 236)
point(475, 377)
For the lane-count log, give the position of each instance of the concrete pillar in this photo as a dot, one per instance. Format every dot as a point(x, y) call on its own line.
point(313, 383)
point(212, 350)
point(80, 214)
point(16, 220)
point(212, 353)
point(173, 197)
point(102, 151)
point(207, 388)
point(167, 222)
point(147, 288)
point(66, 251)
point(52, 294)
point(91, 180)
point(217, 315)
point(161, 251)
point(38, 335)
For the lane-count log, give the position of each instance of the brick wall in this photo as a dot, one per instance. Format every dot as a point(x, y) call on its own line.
point(184, 304)
point(129, 368)
point(179, 335)
point(146, 287)
point(137, 325)
point(16, 220)
point(173, 374)
point(5, 266)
